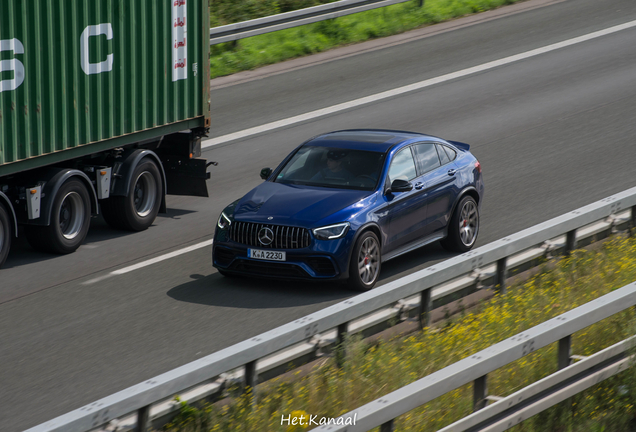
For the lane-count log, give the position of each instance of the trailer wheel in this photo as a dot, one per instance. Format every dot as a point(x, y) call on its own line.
point(70, 219)
point(138, 210)
point(5, 234)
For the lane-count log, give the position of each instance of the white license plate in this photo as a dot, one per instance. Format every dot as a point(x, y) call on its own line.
point(266, 255)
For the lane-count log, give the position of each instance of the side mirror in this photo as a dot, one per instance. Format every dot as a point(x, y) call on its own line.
point(399, 185)
point(265, 173)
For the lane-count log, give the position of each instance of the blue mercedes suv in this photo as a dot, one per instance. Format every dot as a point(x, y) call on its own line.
point(344, 202)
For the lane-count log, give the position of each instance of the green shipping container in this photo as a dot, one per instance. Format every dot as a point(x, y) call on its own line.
point(78, 76)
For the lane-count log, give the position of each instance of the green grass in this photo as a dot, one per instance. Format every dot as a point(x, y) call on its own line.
point(373, 371)
point(250, 53)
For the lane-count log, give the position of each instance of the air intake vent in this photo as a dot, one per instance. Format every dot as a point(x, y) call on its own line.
point(223, 256)
point(322, 266)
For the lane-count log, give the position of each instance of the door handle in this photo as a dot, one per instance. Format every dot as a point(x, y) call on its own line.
point(419, 185)
point(451, 172)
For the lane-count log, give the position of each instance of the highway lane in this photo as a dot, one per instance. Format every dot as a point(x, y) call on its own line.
point(553, 133)
point(375, 70)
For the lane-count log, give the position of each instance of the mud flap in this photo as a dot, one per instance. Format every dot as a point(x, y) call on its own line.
point(186, 176)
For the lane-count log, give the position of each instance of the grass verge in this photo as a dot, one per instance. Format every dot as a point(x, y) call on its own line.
point(373, 371)
point(250, 53)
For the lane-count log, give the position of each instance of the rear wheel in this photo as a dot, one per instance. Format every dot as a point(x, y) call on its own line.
point(5, 234)
point(138, 210)
point(70, 219)
point(463, 226)
point(364, 267)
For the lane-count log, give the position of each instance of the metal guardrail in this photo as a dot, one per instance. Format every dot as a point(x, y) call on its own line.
point(515, 408)
point(140, 397)
point(236, 31)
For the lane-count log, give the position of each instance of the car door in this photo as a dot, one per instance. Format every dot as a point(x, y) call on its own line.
point(407, 210)
point(441, 184)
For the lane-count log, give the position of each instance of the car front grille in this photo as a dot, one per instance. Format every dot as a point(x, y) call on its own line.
point(284, 237)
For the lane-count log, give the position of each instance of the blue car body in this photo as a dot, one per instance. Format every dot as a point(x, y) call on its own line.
point(401, 221)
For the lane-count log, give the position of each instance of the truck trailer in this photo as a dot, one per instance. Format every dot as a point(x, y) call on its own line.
point(103, 105)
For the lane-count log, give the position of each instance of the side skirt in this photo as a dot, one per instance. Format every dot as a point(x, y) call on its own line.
point(416, 245)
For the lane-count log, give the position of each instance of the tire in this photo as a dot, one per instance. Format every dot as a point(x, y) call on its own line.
point(70, 219)
point(138, 210)
point(366, 260)
point(6, 234)
point(463, 227)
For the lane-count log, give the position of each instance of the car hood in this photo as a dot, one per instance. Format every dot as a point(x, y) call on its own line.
point(293, 204)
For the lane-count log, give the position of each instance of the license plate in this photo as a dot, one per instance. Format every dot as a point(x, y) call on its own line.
point(266, 255)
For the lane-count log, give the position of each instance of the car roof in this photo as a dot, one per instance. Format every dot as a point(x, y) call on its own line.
point(380, 140)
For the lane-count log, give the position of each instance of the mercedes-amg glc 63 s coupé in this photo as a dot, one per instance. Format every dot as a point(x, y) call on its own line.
point(344, 202)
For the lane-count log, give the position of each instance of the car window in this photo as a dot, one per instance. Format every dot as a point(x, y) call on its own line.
point(402, 166)
point(452, 154)
point(333, 167)
point(299, 160)
point(427, 157)
point(443, 156)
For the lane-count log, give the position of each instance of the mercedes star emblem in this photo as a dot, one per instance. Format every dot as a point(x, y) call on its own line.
point(266, 236)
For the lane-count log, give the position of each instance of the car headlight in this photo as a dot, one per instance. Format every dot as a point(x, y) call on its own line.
point(332, 231)
point(223, 221)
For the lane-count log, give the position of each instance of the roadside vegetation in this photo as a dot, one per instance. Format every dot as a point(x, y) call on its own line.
point(371, 371)
point(250, 53)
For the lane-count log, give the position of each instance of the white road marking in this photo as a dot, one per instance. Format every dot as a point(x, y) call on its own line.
point(162, 257)
point(150, 261)
point(412, 87)
point(97, 279)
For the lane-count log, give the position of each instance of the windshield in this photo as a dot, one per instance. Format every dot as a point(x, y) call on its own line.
point(333, 167)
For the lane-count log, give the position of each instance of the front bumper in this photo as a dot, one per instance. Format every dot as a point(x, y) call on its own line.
point(321, 260)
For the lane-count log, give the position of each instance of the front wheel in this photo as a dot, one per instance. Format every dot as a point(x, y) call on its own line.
point(364, 267)
point(70, 218)
point(463, 226)
point(5, 234)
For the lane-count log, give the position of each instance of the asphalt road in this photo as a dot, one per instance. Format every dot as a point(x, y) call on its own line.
point(553, 132)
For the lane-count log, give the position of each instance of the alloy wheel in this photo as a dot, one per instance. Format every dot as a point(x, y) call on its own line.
point(368, 261)
point(468, 223)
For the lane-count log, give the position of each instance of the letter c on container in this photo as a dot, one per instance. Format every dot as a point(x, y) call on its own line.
point(95, 30)
point(14, 65)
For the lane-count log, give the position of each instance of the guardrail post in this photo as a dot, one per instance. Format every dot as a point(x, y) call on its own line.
point(421, 2)
point(251, 377)
point(425, 308)
point(502, 271)
point(480, 390)
point(343, 329)
point(570, 241)
point(387, 427)
point(564, 352)
point(633, 222)
point(143, 419)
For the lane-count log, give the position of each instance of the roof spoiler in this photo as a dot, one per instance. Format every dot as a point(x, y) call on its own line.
point(460, 145)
